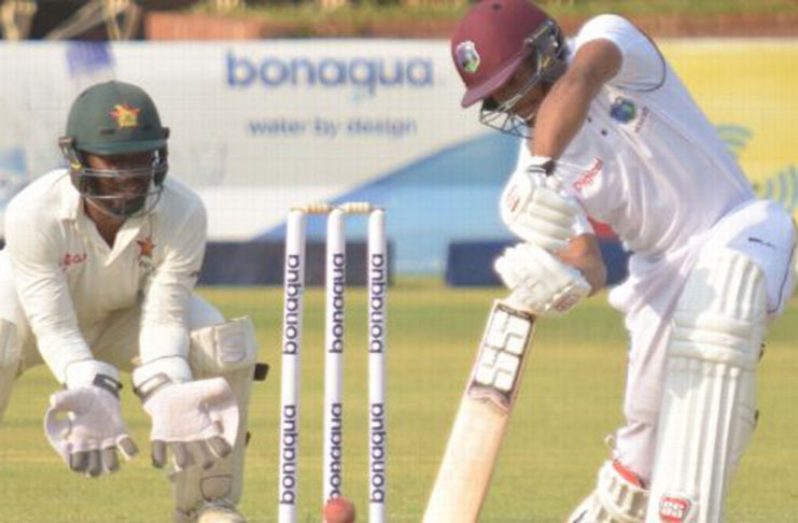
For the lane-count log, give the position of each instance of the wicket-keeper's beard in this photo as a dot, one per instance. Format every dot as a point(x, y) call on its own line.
point(120, 206)
point(128, 207)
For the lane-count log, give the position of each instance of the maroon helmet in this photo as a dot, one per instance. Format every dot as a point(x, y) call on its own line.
point(492, 41)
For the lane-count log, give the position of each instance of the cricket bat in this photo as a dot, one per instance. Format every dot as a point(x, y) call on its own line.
point(479, 427)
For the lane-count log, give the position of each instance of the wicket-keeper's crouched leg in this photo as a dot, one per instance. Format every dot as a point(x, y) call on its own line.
point(15, 336)
point(217, 348)
point(228, 349)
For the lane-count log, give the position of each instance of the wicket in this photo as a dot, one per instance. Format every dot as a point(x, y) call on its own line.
point(335, 284)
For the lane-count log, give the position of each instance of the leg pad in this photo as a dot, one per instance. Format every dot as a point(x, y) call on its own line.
point(709, 403)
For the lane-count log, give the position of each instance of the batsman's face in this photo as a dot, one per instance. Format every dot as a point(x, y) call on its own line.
point(520, 96)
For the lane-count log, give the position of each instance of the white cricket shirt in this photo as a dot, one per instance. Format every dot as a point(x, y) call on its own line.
point(647, 161)
point(68, 279)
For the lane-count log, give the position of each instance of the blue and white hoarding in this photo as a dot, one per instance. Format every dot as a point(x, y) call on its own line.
point(258, 127)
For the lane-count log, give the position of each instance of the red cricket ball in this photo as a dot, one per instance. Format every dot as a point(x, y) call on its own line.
point(339, 510)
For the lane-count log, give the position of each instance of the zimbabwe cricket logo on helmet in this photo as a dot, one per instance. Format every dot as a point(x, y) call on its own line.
point(467, 56)
point(125, 115)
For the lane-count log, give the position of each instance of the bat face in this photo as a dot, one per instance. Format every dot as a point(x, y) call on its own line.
point(479, 428)
point(498, 367)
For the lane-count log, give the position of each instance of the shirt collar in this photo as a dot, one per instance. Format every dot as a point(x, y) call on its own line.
point(71, 202)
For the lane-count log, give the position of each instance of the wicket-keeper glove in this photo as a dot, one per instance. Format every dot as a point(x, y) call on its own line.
point(194, 421)
point(84, 422)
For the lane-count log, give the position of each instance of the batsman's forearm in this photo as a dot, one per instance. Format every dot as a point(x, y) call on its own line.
point(564, 110)
point(584, 254)
point(562, 114)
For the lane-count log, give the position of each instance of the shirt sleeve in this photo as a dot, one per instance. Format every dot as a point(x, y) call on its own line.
point(643, 66)
point(34, 247)
point(166, 296)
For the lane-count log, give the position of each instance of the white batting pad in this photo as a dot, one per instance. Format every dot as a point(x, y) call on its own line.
point(709, 402)
point(224, 347)
point(10, 354)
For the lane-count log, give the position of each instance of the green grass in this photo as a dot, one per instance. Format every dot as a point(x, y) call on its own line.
point(570, 400)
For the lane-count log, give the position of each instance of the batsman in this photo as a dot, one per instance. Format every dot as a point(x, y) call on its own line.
point(97, 278)
point(612, 133)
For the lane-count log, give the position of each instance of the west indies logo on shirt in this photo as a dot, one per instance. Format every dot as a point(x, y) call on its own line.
point(623, 110)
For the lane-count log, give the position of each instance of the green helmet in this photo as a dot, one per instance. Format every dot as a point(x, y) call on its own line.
point(115, 118)
point(110, 119)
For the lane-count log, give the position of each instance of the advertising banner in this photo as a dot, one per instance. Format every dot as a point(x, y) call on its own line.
point(258, 127)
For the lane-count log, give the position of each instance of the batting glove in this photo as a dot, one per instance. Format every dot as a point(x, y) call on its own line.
point(534, 207)
point(540, 283)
